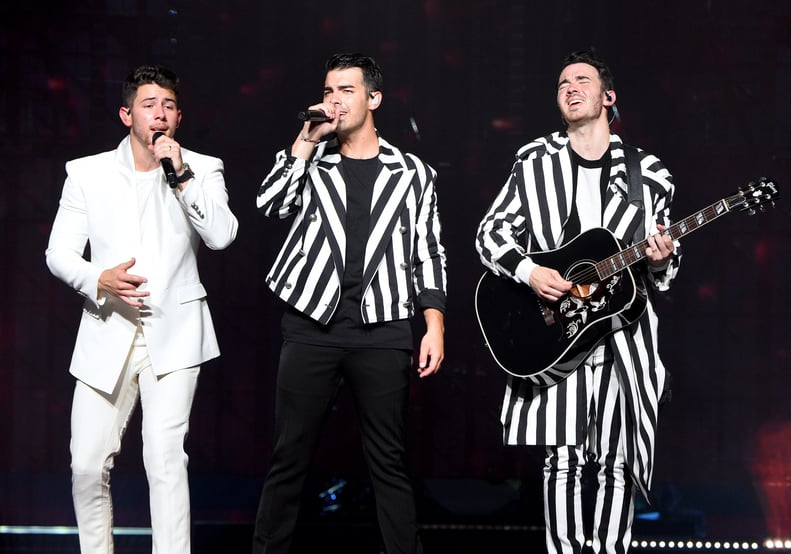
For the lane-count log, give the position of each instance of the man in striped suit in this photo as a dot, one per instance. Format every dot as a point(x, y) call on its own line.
point(605, 411)
point(362, 256)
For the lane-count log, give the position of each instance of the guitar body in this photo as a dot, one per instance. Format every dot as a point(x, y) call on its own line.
point(543, 342)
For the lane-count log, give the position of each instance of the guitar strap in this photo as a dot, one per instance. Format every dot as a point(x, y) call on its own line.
point(634, 179)
point(634, 182)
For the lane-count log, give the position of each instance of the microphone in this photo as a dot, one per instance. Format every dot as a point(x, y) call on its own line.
point(312, 115)
point(167, 165)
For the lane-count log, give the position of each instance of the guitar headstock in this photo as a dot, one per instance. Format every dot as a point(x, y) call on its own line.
point(755, 196)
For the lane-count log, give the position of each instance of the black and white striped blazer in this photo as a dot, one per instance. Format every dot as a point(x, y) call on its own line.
point(528, 215)
point(405, 265)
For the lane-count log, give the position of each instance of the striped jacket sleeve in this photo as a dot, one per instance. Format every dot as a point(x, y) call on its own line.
point(501, 241)
point(280, 193)
point(659, 182)
point(429, 275)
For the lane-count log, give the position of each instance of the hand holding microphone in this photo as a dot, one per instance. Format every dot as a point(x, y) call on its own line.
point(167, 163)
point(320, 120)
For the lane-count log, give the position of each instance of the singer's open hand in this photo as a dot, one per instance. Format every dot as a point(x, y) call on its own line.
point(123, 285)
point(432, 346)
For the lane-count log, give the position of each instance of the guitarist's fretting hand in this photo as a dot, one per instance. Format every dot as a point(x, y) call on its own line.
point(548, 284)
point(660, 248)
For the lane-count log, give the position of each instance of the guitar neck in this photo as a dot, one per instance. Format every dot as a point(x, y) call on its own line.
point(636, 252)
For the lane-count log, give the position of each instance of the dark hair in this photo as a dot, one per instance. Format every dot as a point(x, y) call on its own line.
point(145, 75)
point(372, 74)
point(588, 57)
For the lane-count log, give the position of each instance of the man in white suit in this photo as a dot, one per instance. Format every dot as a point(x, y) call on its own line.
point(143, 209)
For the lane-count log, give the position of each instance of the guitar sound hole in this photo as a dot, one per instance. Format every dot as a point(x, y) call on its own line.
point(582, 291)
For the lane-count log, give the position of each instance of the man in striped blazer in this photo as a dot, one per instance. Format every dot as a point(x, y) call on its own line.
point(362, 256)
point(605, 411)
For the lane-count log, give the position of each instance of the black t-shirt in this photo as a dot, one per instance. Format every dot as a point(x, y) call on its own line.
point(346, 328)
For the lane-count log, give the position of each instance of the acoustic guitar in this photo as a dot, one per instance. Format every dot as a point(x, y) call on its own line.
point(545, 342)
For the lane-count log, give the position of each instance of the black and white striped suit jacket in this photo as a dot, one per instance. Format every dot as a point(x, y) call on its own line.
point(528, 215)
point(405, 263)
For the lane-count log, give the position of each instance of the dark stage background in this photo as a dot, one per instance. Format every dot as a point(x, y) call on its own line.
point(704, 84)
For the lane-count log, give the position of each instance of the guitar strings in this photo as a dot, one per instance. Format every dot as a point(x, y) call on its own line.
point(594, 271)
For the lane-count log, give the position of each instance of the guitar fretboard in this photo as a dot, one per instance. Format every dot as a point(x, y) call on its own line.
point(636, 252)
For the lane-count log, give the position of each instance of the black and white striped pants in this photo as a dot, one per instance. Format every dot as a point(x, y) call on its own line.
point(566, 497)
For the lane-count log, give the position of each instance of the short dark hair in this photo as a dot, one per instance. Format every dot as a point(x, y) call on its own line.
point(588, 57)
point(145, 75)
point(372, 74)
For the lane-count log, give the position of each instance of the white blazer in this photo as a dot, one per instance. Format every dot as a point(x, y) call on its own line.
point(99, 207)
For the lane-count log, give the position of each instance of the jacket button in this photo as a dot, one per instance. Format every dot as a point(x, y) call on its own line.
point(402, 229)
point(313, 217)
point(195, 207)
point(288, 285)
point(404, 265)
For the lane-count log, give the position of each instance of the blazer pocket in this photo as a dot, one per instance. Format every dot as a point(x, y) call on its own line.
point(190, 292)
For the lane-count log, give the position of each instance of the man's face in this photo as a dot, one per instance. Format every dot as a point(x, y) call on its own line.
point(580, 94)
point(345, 89)
point(153, 109)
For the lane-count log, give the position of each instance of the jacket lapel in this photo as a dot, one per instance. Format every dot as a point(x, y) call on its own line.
point(550, 204)
point(390, 190)
point(123, 192)
point(330, 191)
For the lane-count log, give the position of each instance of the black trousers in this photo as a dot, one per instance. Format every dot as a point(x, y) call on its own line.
point(307, 383)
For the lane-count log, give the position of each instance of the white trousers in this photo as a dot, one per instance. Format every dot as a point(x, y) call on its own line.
point(98, 423)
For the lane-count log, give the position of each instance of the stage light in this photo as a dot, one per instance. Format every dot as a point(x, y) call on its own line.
point(656, 545)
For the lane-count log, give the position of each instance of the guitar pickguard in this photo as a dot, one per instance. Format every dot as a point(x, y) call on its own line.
point(575, 310)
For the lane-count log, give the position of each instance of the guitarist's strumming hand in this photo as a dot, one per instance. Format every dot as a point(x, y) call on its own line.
point(548, 284)
point(660, 248)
